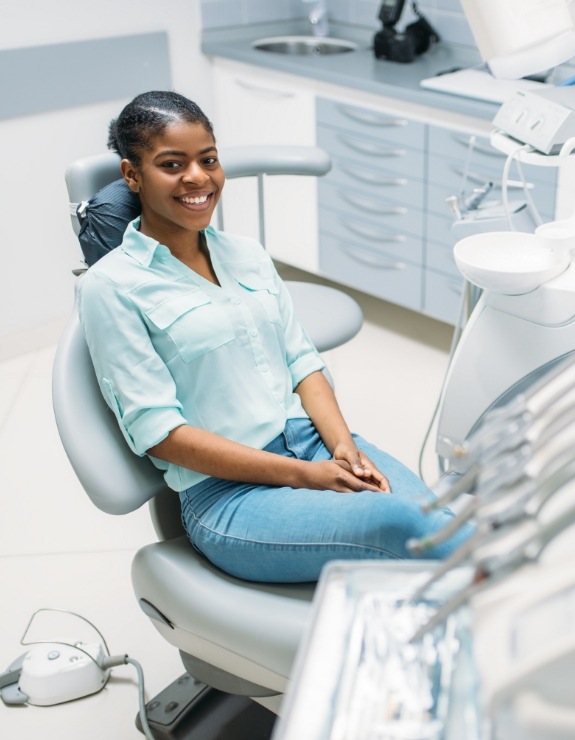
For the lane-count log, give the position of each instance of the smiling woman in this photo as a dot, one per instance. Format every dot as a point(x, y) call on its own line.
point(198, 352)
point(169, 158)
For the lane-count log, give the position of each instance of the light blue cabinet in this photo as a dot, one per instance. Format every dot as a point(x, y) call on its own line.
point(384, 224)
point(371, 204)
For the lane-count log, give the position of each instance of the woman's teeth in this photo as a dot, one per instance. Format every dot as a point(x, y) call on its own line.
point(194, 201)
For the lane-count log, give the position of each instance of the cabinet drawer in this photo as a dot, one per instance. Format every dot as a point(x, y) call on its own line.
point(379, 181)
point(372, 235)
point(358, 148)
point(439, 257)
point(442, 296)
point(379, 274)
point(392, 127)
point(543, 195)
point(439, 230)
point(380, 209)
point(456, 145)
point(478, 172)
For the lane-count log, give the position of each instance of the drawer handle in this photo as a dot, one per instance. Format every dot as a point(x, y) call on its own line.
point(373, 260)
point(364, 147)
point(267, 91)
point(373, 178)
point(480, 179)
point(373, 234)
point(371, 118)
point(372, 206)
point(477, 146)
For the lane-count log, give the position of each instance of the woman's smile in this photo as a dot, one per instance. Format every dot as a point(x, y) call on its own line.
point(195, 201)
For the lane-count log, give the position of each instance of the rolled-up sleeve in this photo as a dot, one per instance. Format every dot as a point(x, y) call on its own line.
point(302, 357)
point(134, 380)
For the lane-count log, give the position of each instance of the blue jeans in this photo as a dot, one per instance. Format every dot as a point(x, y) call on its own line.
point(283, 534)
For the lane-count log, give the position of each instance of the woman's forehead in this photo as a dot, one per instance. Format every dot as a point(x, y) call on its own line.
point(183, 135)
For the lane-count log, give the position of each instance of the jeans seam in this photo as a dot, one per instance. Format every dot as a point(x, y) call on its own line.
point(298, 545)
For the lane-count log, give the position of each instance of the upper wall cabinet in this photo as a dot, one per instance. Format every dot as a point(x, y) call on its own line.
point(255, 108)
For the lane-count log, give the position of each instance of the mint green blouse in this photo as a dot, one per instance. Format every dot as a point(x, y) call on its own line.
point(171, 348)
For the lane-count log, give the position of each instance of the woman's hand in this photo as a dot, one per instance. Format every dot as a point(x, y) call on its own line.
point(361, 466)
point(332, 475)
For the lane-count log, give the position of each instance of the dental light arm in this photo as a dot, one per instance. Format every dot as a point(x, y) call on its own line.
point(517, 39)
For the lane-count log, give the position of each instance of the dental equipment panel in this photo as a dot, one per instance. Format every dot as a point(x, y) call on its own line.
point(545, 119)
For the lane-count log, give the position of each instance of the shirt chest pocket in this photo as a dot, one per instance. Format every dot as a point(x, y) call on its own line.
point(193, 322)
point(266, 294)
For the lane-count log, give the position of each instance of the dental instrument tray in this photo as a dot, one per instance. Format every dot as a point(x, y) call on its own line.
point(358, 674)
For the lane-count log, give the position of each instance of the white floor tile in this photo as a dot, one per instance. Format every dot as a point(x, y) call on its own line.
point(13, 374)
point(44, 508)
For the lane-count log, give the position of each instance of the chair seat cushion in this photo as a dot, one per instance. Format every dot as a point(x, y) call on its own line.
point(330, 316)
point(262, 623)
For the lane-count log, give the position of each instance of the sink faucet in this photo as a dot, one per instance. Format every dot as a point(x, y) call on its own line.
point(318, 17)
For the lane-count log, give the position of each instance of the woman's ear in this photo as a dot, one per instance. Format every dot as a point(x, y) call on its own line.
point(130, 175)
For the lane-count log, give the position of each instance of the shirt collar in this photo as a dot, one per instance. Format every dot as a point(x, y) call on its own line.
point(139, 246)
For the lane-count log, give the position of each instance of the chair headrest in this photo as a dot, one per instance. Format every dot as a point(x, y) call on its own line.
point(104, 218)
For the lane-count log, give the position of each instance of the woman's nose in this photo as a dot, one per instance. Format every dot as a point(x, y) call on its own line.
point(195, 173)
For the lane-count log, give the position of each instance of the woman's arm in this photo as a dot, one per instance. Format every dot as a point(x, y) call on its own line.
point(319, 400)
point(216, 456)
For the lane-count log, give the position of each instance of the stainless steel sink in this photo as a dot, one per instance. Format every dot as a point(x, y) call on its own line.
point(304, 45)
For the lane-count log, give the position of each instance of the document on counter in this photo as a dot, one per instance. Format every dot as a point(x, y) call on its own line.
point(478, 84)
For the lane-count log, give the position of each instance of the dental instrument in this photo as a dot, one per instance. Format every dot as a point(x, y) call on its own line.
point(501, 554)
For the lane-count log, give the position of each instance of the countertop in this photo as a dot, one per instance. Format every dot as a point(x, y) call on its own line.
point(358, 70)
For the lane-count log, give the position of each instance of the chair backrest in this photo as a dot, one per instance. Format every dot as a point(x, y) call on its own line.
point(116, 480)
point(85, 177)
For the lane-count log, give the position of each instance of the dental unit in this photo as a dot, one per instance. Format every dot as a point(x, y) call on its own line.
point(497, 614)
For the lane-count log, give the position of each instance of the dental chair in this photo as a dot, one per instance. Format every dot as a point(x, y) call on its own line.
point(235, 637)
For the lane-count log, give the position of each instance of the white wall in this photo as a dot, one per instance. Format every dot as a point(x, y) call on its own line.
point(38, 247)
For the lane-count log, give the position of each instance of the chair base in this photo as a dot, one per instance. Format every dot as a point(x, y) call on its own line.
point(190, 710)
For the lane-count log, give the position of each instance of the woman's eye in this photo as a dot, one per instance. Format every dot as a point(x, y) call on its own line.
point(211, 160)
point(170, 165)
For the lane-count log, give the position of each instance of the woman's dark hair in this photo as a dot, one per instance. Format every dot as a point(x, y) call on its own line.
point(148, 116)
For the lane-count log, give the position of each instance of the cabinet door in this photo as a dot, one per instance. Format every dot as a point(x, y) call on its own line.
point(254, 107)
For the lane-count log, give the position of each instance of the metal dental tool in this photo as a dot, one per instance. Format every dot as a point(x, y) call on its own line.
point(501, 426)
point(524, 501)
point(504, 552)
point(508, 483)
point(521, 458)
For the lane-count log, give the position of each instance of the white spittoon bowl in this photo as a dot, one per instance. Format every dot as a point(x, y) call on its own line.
point(508, 262)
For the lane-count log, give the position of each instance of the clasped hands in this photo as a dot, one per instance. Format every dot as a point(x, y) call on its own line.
point(349, 471)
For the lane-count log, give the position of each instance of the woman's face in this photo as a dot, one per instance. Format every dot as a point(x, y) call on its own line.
point(179, 181)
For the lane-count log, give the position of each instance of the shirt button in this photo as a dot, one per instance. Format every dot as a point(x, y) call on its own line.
point(264, 368)
point(236, 301)
point(254, 332)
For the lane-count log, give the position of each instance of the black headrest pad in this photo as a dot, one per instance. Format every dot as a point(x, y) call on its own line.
point(105, 219)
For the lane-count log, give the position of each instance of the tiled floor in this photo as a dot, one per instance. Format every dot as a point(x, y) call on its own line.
point(57, 550)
